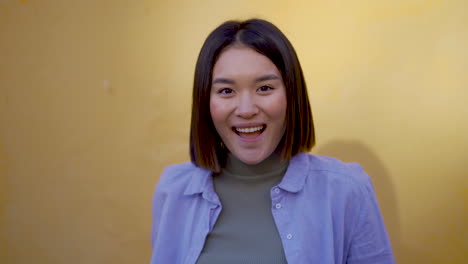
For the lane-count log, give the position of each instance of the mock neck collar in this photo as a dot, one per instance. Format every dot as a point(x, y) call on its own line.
point(271, 165)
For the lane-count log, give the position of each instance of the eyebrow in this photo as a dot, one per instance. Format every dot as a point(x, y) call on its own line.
point(223, 80)
point(267, 78)
point(259, 79)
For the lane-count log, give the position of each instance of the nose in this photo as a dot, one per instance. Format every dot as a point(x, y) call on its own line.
point(246, 106)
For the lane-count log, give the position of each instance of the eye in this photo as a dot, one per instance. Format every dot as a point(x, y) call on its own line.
point(225, 91)
point(264, 89)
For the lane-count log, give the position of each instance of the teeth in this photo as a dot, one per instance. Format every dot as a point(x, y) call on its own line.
point(249, 129)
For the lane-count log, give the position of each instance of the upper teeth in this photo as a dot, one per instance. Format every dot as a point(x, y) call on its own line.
point(249, 129)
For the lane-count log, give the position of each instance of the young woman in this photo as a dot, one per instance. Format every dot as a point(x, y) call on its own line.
point(251, 193)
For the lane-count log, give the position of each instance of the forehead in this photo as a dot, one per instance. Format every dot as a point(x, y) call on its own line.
point(241, 61)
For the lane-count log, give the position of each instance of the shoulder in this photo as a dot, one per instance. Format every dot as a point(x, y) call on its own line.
point(173, 173)
point(178, 176)
point(345, 186)
point(352, 171)
point(331, 171)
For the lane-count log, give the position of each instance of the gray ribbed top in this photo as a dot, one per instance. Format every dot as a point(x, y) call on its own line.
point(245, 232)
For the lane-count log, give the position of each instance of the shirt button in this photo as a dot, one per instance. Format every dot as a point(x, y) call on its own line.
point(278, 206)
point(289, 236)
point(277, 190)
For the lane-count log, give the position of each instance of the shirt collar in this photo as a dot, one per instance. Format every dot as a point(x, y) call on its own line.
point(201, 180)
point(296, 174)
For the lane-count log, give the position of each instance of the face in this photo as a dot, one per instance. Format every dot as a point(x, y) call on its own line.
point(248, 103)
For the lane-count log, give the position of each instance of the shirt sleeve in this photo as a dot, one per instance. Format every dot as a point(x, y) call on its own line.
point(158, 202)
point(369, 241)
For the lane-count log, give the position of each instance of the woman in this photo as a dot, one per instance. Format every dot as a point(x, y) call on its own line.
point(251, 194)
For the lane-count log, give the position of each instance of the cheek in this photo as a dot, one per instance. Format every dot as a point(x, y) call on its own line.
point(277, 108)
point(217, 111)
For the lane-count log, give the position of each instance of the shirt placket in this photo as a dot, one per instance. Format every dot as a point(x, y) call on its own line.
point(211, 211)
point(283, 219)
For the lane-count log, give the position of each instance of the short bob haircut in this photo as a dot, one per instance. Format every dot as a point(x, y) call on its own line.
point(206, 149)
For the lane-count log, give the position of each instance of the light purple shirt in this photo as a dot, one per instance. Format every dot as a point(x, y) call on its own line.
point(325, 211)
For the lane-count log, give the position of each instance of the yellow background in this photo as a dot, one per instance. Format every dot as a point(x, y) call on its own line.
point(95, 101)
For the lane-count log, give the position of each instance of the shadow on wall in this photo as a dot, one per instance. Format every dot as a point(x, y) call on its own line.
point(354, 151)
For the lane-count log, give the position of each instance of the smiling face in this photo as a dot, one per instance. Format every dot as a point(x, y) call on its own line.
point(248, 103)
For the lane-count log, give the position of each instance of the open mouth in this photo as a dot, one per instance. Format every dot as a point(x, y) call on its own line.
point(248, 132)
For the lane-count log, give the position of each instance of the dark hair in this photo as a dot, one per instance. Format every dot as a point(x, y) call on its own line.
point(206, 150)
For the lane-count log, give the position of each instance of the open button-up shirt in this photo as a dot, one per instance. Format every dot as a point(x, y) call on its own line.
point(325, 210)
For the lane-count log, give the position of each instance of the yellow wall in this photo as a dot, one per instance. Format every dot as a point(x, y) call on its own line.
point(95, 101)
